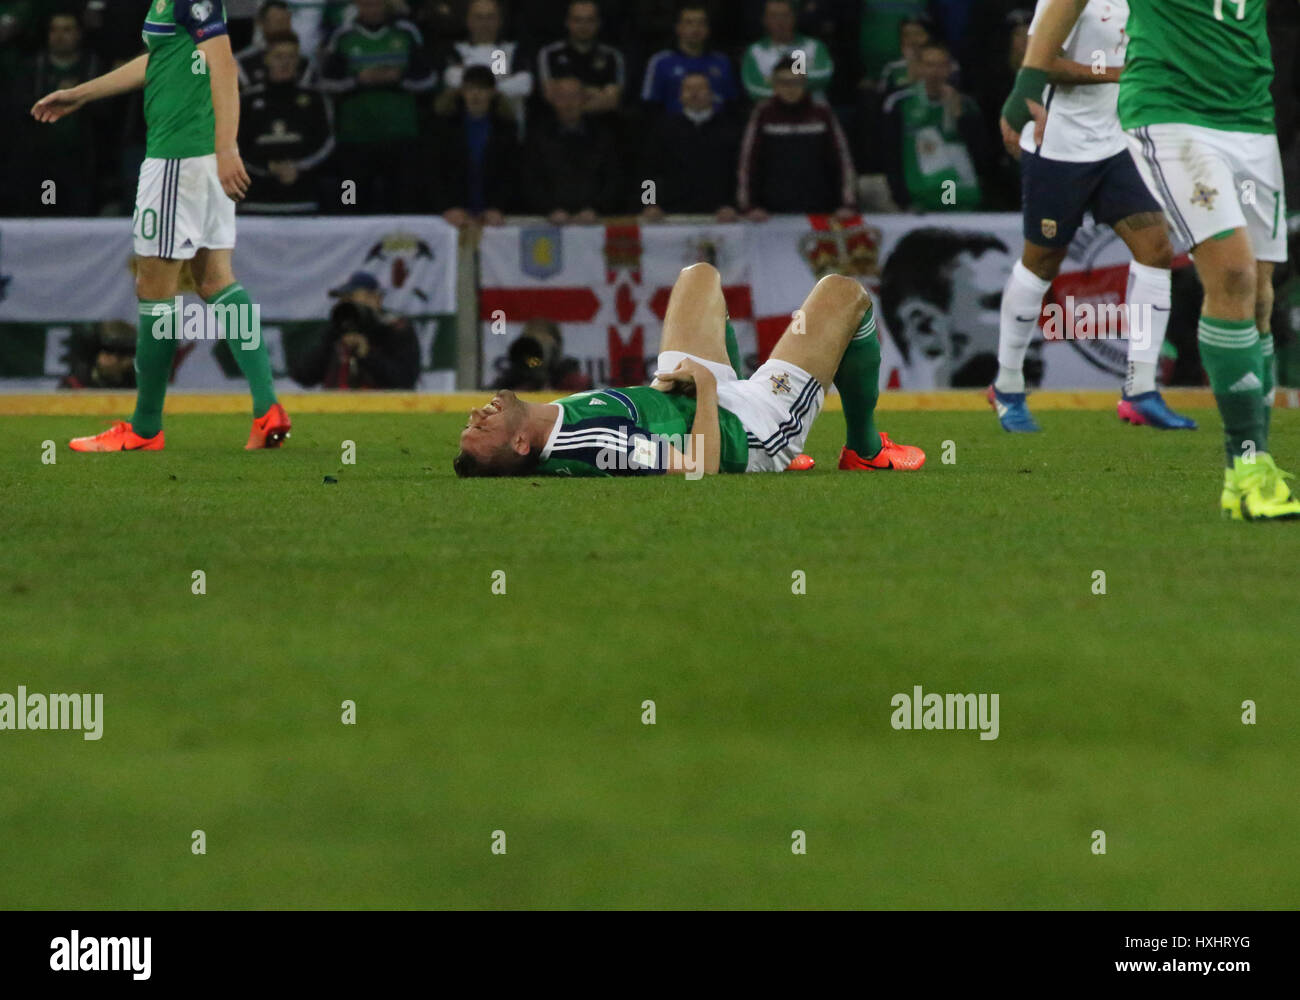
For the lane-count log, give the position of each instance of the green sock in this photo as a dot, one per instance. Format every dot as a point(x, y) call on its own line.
point(255, 363)
point(858, 380)
point(1231, 354)
point(733, 349)
point(1270, 380)
point(153, 364)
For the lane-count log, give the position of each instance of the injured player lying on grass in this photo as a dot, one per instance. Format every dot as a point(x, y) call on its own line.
point(699, 417)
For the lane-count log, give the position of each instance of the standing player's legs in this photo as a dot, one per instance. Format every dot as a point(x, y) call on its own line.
point(1264, 323)
point(215, 280)
point(833, 338)
point(696, 323)
point(1195, 172)
point(167, 201)
point(1149, 297)
point(1055, 194)
point(156, 281)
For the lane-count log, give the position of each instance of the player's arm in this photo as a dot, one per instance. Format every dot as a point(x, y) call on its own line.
point(129, 76)
point(223, 79)
point(706, 431)
point(1024, 103)
point(1069, 73)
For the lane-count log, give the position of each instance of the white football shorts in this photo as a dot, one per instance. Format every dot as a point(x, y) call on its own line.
point(776, 405)
point(180, 208)
point(1209, 181)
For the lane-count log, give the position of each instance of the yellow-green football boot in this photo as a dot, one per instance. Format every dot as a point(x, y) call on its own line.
point(1262, 492)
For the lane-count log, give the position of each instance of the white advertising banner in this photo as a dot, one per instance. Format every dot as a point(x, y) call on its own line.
point(937, 282)
point(60, 272)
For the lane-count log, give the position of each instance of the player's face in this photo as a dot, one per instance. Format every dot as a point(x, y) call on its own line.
point(583, 22)
point(492, 427)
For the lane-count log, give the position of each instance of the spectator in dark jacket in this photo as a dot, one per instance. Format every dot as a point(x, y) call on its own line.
point(691, 156)
point(475, 155)
point(795, 158)
point(272, 20)
point(571, 168)
point(285, 134)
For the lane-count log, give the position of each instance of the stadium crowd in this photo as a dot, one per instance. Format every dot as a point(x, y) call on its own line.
point(563, 108)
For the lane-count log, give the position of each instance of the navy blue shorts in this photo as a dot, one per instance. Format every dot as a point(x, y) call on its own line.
point(1057, 193)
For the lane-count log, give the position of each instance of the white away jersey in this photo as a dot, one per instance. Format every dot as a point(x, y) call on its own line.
point(1083, 120)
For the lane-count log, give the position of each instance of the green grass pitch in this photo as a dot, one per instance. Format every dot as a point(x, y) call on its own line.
point(522, 713)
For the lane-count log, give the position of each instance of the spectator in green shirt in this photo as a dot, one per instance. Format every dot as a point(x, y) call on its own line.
point(782, 40)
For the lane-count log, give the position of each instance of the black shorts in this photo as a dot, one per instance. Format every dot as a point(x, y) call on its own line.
point(1057, 193)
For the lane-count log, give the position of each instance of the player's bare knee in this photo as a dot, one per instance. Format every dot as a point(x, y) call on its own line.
point(845, 289)
point(702, 271)
point(208, 289)
point(1237, 282)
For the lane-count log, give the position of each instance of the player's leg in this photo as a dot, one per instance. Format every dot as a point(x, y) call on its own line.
point(1149, 297)
point(160, 210)
point(1054, 194)
point(1264, 323)
point(1022, 303)
point(833, 338)
point(214, 278)
point(695, 322)
point(1194, 171)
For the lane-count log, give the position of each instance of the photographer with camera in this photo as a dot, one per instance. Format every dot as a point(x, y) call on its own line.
point(363, 347)
point(536, 362)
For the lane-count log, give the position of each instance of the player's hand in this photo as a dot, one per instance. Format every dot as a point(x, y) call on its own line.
point(685, 378)
point(357, 343)
point(233, 176)
point(59, 104)
point(1011, 138)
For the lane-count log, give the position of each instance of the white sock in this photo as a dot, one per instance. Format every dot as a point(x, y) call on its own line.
point(1147, 287)
point(1022, 302)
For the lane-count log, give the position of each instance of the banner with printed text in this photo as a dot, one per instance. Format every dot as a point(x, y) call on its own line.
point(63, 276)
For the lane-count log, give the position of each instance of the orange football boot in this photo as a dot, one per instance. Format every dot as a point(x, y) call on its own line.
point(801, 463)
point(119, 437)
point(903, 457)
point(269, 430)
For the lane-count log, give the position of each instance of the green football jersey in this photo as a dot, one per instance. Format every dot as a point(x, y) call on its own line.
point(177, 94)
point(626, 432)
point(1198, 62)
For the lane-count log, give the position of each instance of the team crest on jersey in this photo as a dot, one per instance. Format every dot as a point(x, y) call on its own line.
point(1049, 228)
point(1204, 196)
point(780, 383)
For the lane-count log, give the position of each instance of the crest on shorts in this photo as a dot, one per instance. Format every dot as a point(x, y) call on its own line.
point(1049, 228)
point(1204, 196)
point(780, 383)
